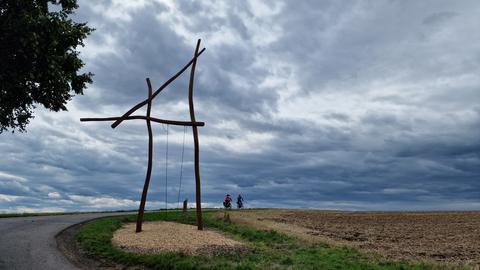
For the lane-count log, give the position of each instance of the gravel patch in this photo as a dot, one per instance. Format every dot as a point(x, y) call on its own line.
point(162, 236)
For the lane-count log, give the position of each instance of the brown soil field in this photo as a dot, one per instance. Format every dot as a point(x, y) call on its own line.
point(445, 237)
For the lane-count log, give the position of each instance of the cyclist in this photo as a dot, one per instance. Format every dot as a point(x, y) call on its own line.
point(227, 202)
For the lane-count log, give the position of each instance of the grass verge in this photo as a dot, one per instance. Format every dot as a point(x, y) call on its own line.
point(268, 249)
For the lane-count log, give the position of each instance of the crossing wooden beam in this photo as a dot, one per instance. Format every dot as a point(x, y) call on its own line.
point(153, 119)
point(139, 105)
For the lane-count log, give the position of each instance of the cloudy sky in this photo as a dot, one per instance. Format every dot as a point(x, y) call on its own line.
point(354, 105)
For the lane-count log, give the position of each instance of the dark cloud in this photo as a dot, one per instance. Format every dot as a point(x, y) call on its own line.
point(439, 17)
point(334, 105)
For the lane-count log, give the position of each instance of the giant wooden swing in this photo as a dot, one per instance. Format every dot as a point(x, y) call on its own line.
point(193, 123)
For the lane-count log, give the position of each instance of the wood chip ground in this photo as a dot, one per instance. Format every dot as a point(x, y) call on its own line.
point(161, 236)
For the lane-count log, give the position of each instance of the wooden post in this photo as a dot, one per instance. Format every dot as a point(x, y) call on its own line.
point(141, 210)
point(149, 119)
point(198, 199)
point(185, 205)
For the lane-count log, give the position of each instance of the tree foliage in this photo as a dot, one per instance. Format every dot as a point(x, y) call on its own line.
point(39, 63)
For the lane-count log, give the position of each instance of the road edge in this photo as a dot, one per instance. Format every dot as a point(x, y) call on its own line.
point(69, 247)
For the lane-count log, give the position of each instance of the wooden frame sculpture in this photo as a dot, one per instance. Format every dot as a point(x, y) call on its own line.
point(193, 123)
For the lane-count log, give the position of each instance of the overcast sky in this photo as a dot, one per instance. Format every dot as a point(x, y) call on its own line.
point(353, 105)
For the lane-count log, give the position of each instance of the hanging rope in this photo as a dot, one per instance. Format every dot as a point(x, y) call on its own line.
point(166, 175)
point(181, 166)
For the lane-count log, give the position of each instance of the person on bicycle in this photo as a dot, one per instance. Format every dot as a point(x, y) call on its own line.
point(239, 201)
point(227, 201)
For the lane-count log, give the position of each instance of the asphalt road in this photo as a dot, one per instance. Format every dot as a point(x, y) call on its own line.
point(29, 242)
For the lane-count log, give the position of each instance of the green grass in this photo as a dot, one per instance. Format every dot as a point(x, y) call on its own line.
point(268, 249)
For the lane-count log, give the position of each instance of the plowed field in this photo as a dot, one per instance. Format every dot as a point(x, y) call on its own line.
point(450, 237)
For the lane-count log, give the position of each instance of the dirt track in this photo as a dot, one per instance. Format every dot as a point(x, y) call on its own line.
point(452, 237)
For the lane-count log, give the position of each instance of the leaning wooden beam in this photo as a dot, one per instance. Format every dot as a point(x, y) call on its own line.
point(195, 139)
point(141, 209)
point(153, 119)
point(139, 105)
